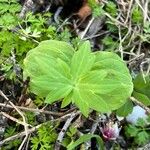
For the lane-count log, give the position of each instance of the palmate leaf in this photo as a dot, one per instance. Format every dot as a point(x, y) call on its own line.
point(50, 76)
point(38, 65)
point(118, 78)
point(45, 68)
point(53, 48)
point(111, 61)
point(57, 94)
point(82, 61)
point(93, 101)
point(80, 102)
point(44, 84)
point(98, 81)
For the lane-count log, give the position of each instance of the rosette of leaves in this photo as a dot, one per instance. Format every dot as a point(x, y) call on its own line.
point(91, 80)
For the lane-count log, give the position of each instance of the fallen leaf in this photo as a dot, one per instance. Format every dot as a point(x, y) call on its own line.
point(84, 11)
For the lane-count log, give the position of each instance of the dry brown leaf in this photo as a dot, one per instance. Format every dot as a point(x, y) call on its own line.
point(29, 103)
point(84, 11)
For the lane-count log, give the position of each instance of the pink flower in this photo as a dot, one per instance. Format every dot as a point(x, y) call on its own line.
point(110, 131)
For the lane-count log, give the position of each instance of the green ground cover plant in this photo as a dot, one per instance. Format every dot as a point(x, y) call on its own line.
point(74, 78)
point(84, 78)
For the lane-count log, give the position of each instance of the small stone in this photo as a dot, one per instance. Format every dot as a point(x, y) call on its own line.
point(138, 112)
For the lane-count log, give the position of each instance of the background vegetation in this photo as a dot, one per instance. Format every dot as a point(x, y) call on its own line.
point(121, 27)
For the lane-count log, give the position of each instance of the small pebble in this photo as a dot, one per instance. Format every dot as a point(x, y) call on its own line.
point(138, 112)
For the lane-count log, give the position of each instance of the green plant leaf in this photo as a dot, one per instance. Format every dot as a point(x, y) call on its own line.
point(57, 49)
point(125, 109)
point(111, 8)
point(117, 86)
point(67, 100)
point(95, 101)
point(97, 9)
point(109, 60)
point(99, 81)
point(82, 61)
point(81, 103)
point(142, 138)
point(39, 65)
point(142, 87)
point(131, 130)
point(85, 138)
point(64, 68)
point(47, 73)
point(44, 84)
point(58, 94)
point(142, 98)
point(137, 14)
point(141, 123)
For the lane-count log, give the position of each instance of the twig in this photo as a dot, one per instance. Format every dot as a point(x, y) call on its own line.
point(136, 58)
point(145, 10)
point(115, 20)
point(148, 69)
point(92, 131)
point(16, 67)
point(57, 13)
point(87, 28)
point(21, 114)
point(63, 131)
point(24, 91)
point(64, 23)
point(120, 44)
point(129, 11)
point(96, 35)
point(147, 61)
point(14, 119)
point(24, 141)
point(20, 135)
point(140, 104)
point(27, 143)
point(28, 5)
point(59, 114)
